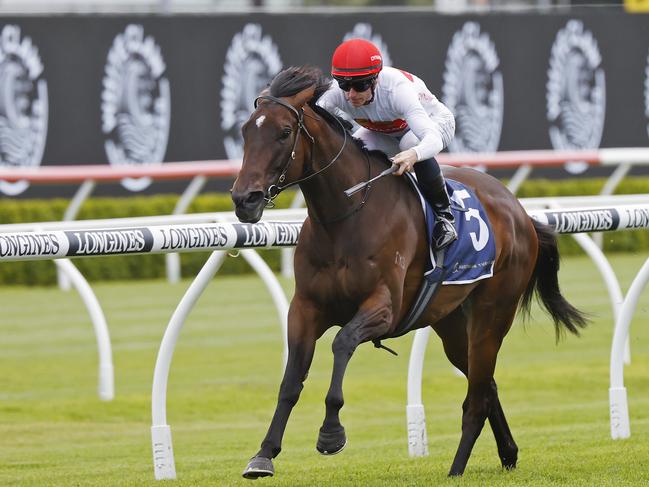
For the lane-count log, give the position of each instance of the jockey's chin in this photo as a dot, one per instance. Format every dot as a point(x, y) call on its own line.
point(358, 98)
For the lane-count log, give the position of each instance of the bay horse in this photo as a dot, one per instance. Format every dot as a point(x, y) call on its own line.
point(360, 261)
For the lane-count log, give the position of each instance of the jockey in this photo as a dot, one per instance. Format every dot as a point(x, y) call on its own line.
point(399, 116)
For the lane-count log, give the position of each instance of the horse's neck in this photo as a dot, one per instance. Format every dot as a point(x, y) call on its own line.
point(324, 194)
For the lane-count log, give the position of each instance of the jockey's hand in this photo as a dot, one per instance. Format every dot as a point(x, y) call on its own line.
point(405, 160)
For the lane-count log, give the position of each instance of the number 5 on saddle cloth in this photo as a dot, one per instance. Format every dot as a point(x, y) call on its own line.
point(470, 258)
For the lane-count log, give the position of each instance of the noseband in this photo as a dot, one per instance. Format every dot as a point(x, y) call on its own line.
point(274, 189)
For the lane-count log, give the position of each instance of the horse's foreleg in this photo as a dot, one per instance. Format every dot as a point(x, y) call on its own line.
point(371, 321)
point(302, 334)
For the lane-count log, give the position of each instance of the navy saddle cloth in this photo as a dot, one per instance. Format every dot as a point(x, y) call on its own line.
point(470, 258)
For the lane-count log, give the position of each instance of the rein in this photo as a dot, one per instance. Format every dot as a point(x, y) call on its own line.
point(275, 189)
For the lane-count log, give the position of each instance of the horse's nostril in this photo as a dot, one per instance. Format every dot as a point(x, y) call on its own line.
point(251, 199)
point(254, 198)
point(249, 206)
point(236, 197)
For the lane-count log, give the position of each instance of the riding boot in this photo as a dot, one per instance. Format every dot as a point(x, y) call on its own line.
point(433, 187)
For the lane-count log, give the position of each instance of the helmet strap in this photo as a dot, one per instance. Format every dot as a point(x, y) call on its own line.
point(372, 88)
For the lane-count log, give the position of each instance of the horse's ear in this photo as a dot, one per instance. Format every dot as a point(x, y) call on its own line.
point(264, 92)
point(300, 99)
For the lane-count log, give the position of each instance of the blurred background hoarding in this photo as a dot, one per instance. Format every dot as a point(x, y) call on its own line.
point(147, 87)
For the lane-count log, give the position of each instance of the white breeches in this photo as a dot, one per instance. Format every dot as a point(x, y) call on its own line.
point(391, 145)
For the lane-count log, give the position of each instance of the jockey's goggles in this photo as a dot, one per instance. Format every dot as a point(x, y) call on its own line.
point(362, 84)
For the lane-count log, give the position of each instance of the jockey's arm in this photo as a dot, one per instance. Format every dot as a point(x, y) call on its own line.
point(430, 144)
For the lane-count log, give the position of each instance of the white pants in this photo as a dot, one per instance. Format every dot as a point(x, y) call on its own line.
point(391, 145)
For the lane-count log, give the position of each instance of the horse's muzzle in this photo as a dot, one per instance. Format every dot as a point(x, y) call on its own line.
point(249, 206)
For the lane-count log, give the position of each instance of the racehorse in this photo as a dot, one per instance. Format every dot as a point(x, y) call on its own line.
point(360, 259)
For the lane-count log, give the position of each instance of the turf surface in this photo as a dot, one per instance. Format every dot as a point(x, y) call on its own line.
point(224, 380)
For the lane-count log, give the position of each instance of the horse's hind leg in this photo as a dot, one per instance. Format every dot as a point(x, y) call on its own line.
point(371, 321)
point(453, 332)
point(491, 319)
point(507, 449)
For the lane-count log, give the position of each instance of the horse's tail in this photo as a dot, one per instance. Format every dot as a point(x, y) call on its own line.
point(545, 282)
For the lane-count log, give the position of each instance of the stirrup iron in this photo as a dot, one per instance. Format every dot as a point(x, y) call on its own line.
point(444, 232)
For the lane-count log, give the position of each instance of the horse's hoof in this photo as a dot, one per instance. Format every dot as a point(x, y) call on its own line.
point(331, 443)
point(508, 464)
point(509, 459)
point(456, 471)
point(259, 467)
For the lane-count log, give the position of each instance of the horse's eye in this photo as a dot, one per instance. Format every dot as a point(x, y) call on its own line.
point(285, 133)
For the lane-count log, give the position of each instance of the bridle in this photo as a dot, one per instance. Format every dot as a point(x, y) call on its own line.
point(275, 189)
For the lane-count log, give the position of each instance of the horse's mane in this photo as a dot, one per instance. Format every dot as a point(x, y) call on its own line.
point(295, 79)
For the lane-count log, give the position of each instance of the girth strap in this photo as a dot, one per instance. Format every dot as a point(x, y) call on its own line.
point(426, 293)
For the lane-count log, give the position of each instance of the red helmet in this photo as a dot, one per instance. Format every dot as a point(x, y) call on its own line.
point(356, 57)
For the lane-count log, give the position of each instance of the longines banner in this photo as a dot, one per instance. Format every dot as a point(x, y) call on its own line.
point(148, 89)
point(158, 239)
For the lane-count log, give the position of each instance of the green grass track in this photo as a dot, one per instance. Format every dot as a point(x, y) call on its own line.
point(54, 431)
